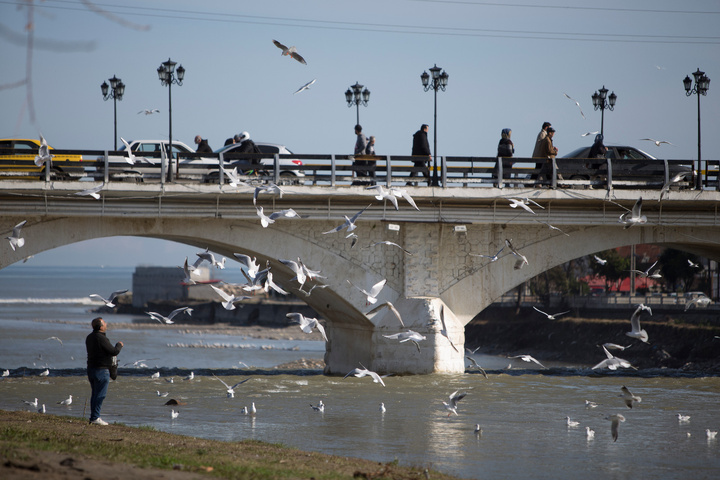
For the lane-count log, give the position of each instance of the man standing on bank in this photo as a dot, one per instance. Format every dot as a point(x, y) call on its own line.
point(421, 147)
point(100, 353)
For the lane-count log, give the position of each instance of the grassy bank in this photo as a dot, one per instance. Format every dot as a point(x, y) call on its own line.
point(51, 447)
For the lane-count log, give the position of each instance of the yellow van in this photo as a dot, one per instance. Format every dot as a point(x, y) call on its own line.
point(22, 159)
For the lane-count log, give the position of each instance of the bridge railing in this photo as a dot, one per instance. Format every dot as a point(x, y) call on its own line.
point(338, 170)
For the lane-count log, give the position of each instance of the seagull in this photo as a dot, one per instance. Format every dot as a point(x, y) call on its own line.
point(44, 373)
point(475, 364)
point(383, 194)
point(589, 433)
point(319, 408)
point(615, 346)
point(633, 216)
point(230, 390)
point(589, 404)
point(683, 418)
point(493, 258)
point(292, 52)
point(615, 420)
point(710, 434)
point(43, 153)
point(589, 133)
point(34, 403)
point(401, 192)
point(174, 414)
point(67, 401)
point(675, 179)
point(253, 410)
point(306, 86)
point(454, 399)
point(269, 284)
point(307, 324)
point(382, 408)
point(636, 331)
point(371, 296)
point(264, 219)
point(42, 409)
point(444, 330)
point(187, 271)
point(599, 260)
point(478, 430)
point(390, 307)
point(228, 299)
point(317, 285)
point(521, 259)
point(55, 338)
point(91, 192)
point(576, 103)
point(550, 316)
point(155, 375)
point(234, 178)
point(190, 377)
point(362, 372)
point(297, 270)
point(6, 373)
point(108, 301)
point(16, 241)
point(528, 358)
point(657, 142)
point(131, 157)
point(701, 301)
point(692, 264)
point(287, 213)
point(647, 274)
point(392, 244)
point(210, 258)
point(553, 227)
point(409, 336)
point(514, 203)
point(572, 423)
point(149, 111)
point(612, 362)
point(629, 398)
point(349, 222)
point(164, 394)
point(244, 410)
point(169, 319)
point(251, 264)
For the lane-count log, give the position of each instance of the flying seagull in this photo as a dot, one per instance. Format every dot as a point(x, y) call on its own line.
point(306, 86)
point(657, 142)
point(451, 407)
point(264, 219)
point(210, 258)
point(349, 222)
point(390, 307)
point(169, 319)
point(16, 241)
point(493, 258)
point(392, 244)
point(692, 264)
point(401, 192)
point(362, 372)
point(270, 188)
point(612, 362)
point(307, 324)
point(521, 259)
point(409, 336)
point(92, 192)
point(701, 301)
point(633, 216)
point(149, 111)
point(383, 194)
point(528, 358)
point(131, 157)
point(647, 274)
point(576, 103)
point(636, 331)
point(43, 153)
point(55, 338)
point(287, 213)
point(444, 330)
point(228, 300)
point(109, 301)
point(666, 187)
point(629, 398)
point(234, 179)
point(476, 365)
point(515, 202)
point(292, 52)
point(589, 133)
point(553, 227)
point(550, 316)
point(615, 419)
point(600, 260)
point(371, 296)
point(250, 263)
point(230, 390)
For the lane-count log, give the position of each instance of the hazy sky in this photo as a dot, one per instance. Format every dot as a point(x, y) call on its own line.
point(509, 66)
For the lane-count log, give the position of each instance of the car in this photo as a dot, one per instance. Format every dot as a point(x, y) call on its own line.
point(271, 149)
point(614, 152)
point(22, 159)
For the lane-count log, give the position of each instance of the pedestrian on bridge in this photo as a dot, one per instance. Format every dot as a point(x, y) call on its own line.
point(202, 145)
point(421, 148)
point(549, 152)
point(361, 145)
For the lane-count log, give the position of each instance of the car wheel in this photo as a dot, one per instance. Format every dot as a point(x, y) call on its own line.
point(288, 178)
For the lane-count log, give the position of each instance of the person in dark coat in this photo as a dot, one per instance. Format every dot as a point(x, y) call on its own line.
point(247, 146)
point(421, 148)
point(202, 145)
point(505, 147)
point(100, 357)
point(598, 149)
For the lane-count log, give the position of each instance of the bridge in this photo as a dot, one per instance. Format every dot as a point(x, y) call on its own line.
point(438, 287)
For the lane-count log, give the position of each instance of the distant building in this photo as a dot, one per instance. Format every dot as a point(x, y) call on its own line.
point(164, 283)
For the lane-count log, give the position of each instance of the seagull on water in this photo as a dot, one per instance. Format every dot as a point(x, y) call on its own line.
point(657, 142)
point(382, 408)
point(67, 401)
point(306, 86)
point(169, 319)
point(493, 258)
point(528, 358)
point(244, 410)
point(409, 336)
point(91, 192)
point(683, 418)
point(550, 316)
point(307, 324)
point(292, 52)
point(451, 407)
point(44, 373)
point(163, 395)
point(576, 103)
point(615, 420)
point(629, 398)
point(155, 375)
point(589, 433)
point(710, 434)
point(190, 377)
point(34, 403)
point(320, 407)
point(390, 307)
point(108, 301)
point(612, 362)
point(363, 372)
point(571, 423)
point(371, 296)
point(16, 241)
point(478, 430)
point(599, 260)
point(230, 390)
point(5, 373)
point(174, 414)
point(636, 331)
point(43, 153)
point(589, 404)
point(634, 216)
point(41, 409)
point(521, 259)
point(349, 222)
point(229, 300)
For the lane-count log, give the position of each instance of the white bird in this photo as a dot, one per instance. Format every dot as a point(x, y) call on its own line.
point(612, 362)
point(264, 219)
point(317, 285)
point(550, 316)
point(320, 407)
point(253, 410)
point(635, 330)
point(521, 259)
point(675, 179)
point(43, 153)
point(553, 227)
point(67, 401)
point(634, 216)
point(476, 365)
point(383, 194)
point(390, 307)
point(615, 346)
point(572, 423)
point(349, 222)
point(371, 296)
point(34, 403)
point(210, 258)
point(589, 133)
point(16, 241)
point(164, 394)
point(701, 301)
point(155, 375)
point(589, 404)
point(451, 407)
point(188, 273)
point(131, 156)
point(657, 142)
point(382, 408)
point(443, 328)
point(42, 409)
point(362, 372)
point(599, 260)
point(287, 213)
point(647, 274)
point(234, 178)
point(710, 434)
point(292, 52)
point(91, 192)
point(354, 239)
point(515, 202)
point(692, 264)
point(169, 319)
point(528, 358)
point(306, 86)
point(409, 336)
point(392, 244)
point(401, 192)
point(615, 420)
point(228, 299)
point(244, 410)
point(270, 284)
point(478, 430)
point(629, 398)
point(576, 103)
point(190, 377)
point(230, 390)
point(174, 414)
point(307, 324)
point(55, 338)
point(493, 258)
point(270, 188)
point(297, 269)
point(683, 418)
point(589, 433)
point(6, 373)
point(251, 264)
point(108, 301)
point(149, 111)
point(44, 373)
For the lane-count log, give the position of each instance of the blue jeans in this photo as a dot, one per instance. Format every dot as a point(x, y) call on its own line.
point(99, 381)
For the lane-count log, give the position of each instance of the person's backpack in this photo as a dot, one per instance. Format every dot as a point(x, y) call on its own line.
point(505, 150)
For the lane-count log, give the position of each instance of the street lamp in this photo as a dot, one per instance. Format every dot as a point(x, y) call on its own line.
point(357, 96)
point(439, 81)
point(118, 90)
point(702, 84)
point(601, 101)
point(166, 73)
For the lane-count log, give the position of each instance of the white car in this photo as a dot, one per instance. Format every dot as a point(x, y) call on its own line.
point(269, 162)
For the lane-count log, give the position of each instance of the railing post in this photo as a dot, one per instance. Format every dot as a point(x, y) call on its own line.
point(443, 177)
point(388, 171)
point(221, 165)
point(47, 168)
point(553, 183)
point(276, 168)
point(499, 171)
point(332, 170)
point(163, 167)
point(609, 174)
point(667, 171)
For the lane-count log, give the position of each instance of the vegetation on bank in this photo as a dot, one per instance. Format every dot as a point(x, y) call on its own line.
point(24, 436)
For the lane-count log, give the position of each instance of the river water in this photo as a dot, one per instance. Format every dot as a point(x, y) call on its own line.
point(522, 411)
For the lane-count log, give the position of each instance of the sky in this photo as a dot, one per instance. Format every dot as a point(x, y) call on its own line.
point(510, 65)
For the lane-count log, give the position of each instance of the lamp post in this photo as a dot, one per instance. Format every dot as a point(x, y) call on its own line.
point(117, 92)
point(357, 96)
point(166, 73)
point(601, 101)
point(439, 81)
point(702, 84)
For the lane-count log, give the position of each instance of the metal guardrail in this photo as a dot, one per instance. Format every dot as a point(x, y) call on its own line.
point(388, 170)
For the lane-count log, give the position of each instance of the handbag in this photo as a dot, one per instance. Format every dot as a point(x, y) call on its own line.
point(114, 368)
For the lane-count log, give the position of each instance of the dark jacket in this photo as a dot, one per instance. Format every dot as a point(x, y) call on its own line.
point(420, 144)
point(248, 146)
point(203, 147)
point(99, 350)
point(505, 148)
